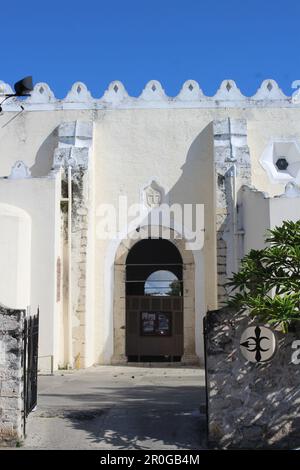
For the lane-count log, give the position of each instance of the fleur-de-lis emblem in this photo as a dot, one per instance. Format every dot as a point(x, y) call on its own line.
point(258, 344)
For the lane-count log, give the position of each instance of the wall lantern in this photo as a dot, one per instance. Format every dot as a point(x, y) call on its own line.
point(22, 88)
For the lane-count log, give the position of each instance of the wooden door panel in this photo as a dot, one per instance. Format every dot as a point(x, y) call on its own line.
point(144, 345)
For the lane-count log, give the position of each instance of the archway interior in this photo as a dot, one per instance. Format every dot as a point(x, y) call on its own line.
point(145, 264)
point(154, 302)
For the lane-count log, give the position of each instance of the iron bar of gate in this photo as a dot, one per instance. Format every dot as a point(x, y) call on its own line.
point(154, 264)
point(205, 369)
point(31, 335)
point(156, 280)
point(24, 372)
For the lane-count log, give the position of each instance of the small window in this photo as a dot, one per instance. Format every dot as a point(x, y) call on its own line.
point(282, 163)
point(162, 283)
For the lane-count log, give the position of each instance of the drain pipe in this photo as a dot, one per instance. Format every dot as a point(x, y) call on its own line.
point(234, 217)
point(69, 322)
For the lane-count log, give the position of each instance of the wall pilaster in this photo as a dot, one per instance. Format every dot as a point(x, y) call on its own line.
point(232, 170)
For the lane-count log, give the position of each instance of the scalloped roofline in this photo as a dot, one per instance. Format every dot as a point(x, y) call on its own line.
point(153, 96)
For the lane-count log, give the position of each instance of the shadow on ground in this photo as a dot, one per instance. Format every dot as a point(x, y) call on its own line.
point(132, 418)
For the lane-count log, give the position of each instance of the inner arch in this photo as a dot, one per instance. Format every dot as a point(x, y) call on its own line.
point(148, 256)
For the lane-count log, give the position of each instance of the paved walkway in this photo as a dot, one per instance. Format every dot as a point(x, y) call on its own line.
point(113, 407)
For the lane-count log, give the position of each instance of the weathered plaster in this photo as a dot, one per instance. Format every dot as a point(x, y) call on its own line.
point(73, 155)
point(232, 170)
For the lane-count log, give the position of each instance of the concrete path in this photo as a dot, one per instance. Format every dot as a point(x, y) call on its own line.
point(113, 407)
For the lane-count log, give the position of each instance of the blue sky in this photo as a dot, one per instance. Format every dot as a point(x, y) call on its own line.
point(97, 41)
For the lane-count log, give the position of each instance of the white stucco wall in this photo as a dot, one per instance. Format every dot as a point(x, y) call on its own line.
point(256, 219)
point(39, 197)
point(15, 257)
point(284, 208)
point(261, 213)
point(182, 165)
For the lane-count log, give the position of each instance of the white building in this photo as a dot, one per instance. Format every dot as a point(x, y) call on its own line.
point(67, 165)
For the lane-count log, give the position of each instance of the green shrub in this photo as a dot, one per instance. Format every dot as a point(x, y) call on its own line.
point(268, 283)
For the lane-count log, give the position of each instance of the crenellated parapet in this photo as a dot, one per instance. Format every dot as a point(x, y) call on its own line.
point(153, 95)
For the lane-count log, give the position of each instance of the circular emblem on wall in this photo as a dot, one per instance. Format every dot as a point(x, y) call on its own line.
point(258, 344)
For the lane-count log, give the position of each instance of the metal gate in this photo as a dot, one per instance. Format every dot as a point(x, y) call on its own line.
point(205, 332)
point(31, 340)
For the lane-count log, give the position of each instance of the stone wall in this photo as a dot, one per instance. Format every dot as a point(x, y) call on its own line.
point(250, 405)
point(74, 154)
point(11, 376)
point(232, 170)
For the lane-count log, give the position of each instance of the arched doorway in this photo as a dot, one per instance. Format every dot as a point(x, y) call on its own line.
point(154, 302)
point(190, 320)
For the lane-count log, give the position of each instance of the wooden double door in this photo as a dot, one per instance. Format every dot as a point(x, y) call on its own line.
point(154, 328)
